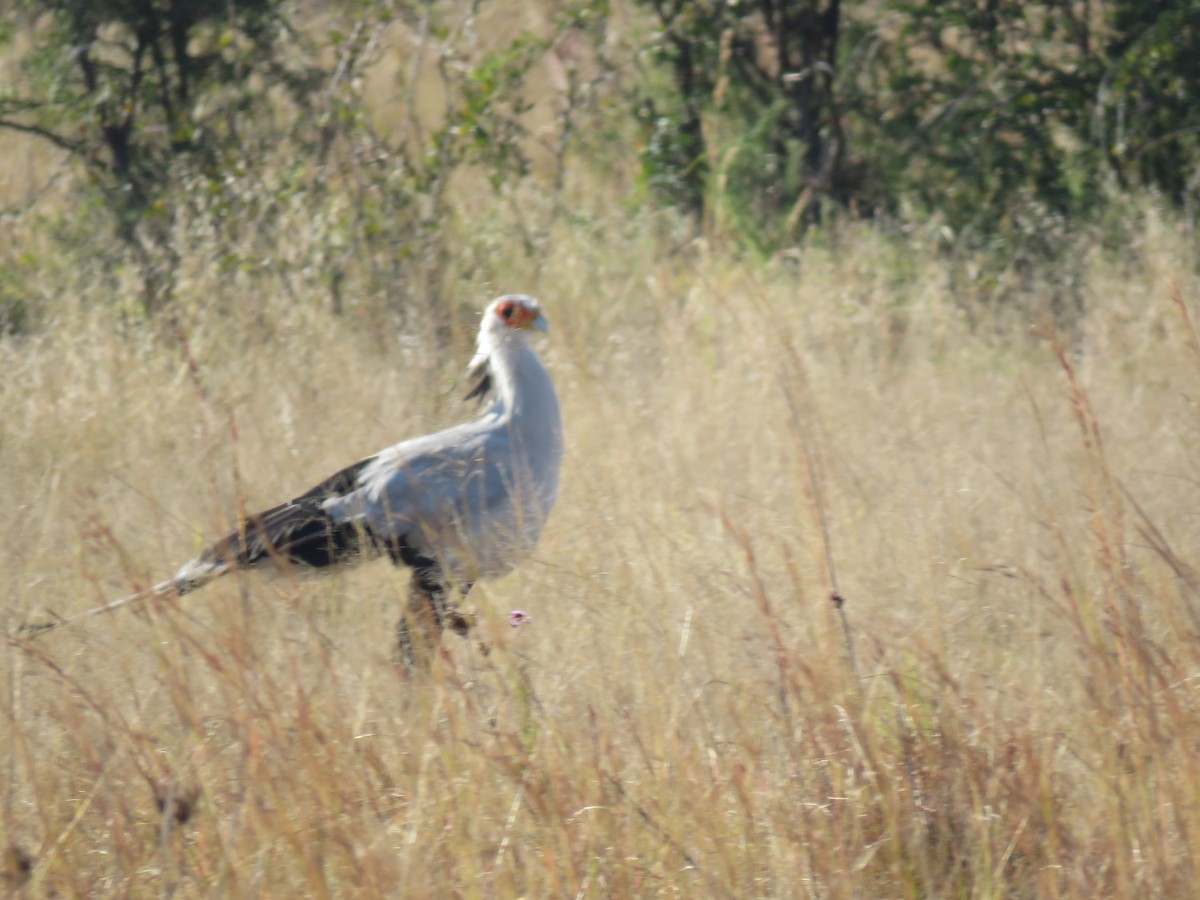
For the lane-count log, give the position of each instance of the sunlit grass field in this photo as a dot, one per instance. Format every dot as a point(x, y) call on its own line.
point(1005, 702)
point(1008, 707)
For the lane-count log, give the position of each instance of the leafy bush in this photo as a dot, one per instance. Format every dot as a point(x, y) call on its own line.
point(989, 117)
point(228, 130)
point(144, 95)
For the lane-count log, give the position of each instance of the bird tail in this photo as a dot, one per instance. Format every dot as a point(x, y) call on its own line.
point(194, 575)
point(300, 532)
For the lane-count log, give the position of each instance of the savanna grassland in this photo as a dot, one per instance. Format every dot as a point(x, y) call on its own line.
point(1007, 703)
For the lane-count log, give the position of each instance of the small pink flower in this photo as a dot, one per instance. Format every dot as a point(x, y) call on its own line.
point(518, 617)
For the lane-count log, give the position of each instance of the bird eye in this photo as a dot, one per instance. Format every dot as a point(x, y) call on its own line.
point(506, 310)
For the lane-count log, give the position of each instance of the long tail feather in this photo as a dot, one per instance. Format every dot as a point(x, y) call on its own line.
point(161, 591)
point(192, 576)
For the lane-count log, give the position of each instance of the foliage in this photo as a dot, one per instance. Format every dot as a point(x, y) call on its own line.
point(750, 121)
point(1147, 109)
point(388, 196)
point(189, 117)
point(144, 93)
point(204, 127)
point(995, 117)
point(992, 109)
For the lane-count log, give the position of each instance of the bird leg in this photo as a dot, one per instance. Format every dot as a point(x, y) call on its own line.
point(461, 622)
point(428, 615)
point(458, 621)
point(419, 629)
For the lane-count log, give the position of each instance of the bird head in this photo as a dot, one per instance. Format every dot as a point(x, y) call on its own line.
point(514, 312)
point(504, 322)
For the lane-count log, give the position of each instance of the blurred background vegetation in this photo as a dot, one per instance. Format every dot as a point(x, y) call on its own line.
point(355, 143)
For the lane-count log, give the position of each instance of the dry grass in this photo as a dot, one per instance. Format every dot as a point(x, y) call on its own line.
point(1012, 525)
point(1014, 533)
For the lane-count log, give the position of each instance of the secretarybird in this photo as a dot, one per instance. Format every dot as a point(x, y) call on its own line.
point(465, 503)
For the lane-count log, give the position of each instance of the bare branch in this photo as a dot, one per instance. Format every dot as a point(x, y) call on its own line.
point(45, 133)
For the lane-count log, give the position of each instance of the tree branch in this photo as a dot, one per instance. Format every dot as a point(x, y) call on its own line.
point(45, 133)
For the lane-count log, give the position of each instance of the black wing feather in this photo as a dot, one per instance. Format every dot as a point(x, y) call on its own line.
point(300, 531)
point(483, 382)
point(338, 484)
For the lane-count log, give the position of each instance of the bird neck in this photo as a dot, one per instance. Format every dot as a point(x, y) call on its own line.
point(522, 383)
point(525, 402)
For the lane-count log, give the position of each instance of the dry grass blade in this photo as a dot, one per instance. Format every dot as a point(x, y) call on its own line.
point(815, 479)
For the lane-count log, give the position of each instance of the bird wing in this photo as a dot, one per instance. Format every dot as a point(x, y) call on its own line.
point(344, 514)
point(441, 493)
point(298, 531)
